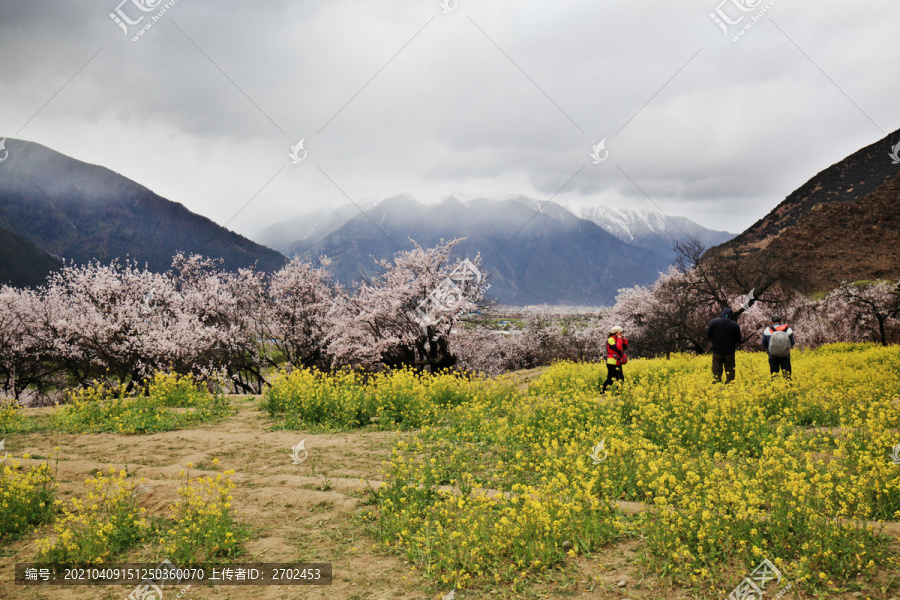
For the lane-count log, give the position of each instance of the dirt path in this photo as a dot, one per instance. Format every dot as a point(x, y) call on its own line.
point(300, 512)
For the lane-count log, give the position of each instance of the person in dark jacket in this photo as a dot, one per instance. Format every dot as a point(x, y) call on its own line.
point(725, 334)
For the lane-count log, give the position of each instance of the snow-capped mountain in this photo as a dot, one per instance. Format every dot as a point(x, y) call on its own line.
point(650, 229)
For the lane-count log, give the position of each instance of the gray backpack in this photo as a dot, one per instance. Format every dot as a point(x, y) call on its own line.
point(780, 344)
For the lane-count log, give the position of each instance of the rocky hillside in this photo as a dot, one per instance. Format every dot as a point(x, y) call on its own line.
point(843, 224)
point(851, 241)
point(850, 180)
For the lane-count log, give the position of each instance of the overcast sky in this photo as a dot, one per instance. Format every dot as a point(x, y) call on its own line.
point(472, 98)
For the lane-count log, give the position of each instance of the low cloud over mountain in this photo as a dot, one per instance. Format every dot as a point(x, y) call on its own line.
point(536, 253)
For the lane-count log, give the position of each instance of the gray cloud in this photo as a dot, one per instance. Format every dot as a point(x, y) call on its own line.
point(204, 108)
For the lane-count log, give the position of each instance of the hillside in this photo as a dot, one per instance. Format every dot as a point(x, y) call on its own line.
point(22, 264)
point(844, 223)
point(83, 212)
point(846, 240)
point(849, 180)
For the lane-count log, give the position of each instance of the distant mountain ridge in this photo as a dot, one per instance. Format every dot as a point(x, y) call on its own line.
point(316, 225)
point(538, 252)
point(648, 229)
point(84, 212)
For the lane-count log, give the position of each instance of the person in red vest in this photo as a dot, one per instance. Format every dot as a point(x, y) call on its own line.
point(778, 339)
point(616, 345)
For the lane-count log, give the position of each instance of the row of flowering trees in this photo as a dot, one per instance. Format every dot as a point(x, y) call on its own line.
point(664, 318)
point(672, 314)
point(667, 317)
point(120, 322)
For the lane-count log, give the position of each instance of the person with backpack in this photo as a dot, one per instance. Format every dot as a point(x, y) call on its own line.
point(725, 334)
point(778, 339)
point(616, 345)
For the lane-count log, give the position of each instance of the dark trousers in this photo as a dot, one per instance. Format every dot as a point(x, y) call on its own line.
point(780, 363)
point(612, 372)
point(720, 361)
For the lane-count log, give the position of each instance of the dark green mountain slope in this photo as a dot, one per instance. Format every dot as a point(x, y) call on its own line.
point(83, 212)
point(23, 264)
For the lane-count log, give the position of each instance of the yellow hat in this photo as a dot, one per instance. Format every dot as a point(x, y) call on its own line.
point(616, 329)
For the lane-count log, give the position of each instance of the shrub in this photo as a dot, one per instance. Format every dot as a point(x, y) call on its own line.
point(99, 527)
point(11, 418)
point(26, 498)
point(203, 526)
point(99, 408)
point(396, 399)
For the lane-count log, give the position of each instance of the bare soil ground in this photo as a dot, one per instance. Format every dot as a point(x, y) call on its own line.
point(309, 512)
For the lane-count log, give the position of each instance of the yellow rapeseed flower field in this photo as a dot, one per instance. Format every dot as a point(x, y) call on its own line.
point(499, 484)
point(106, 520)
point(11, 418)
